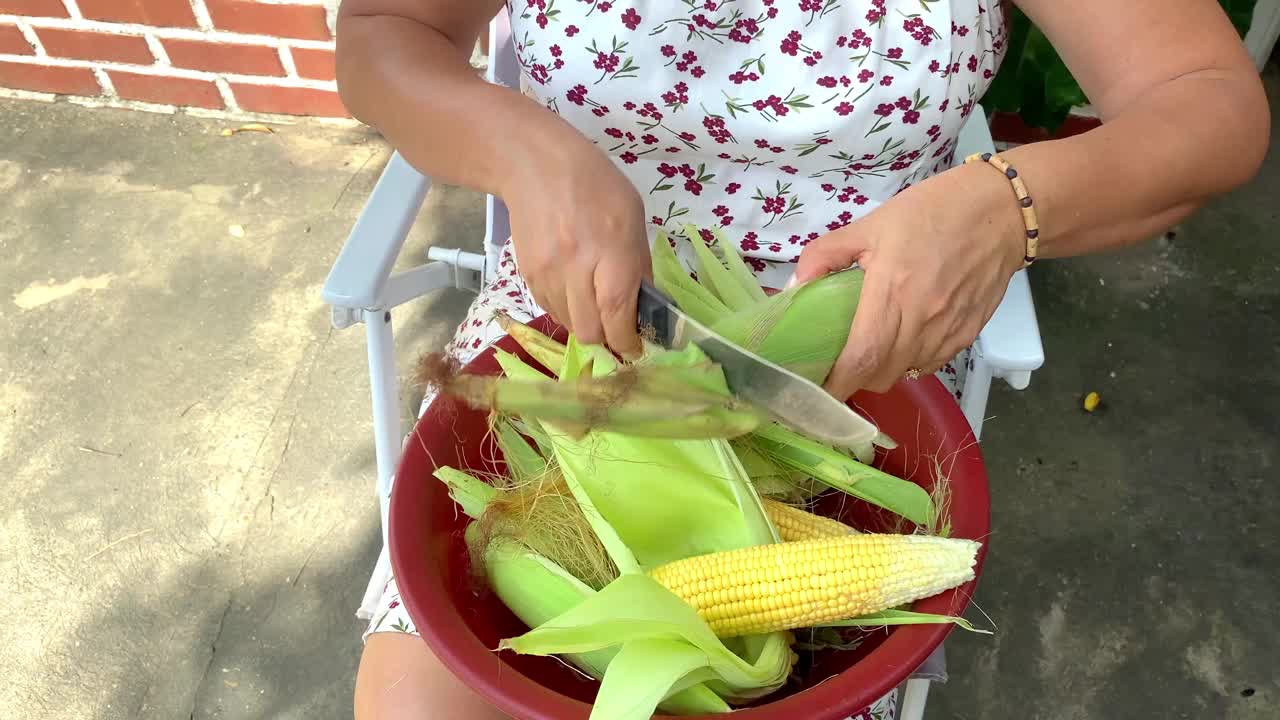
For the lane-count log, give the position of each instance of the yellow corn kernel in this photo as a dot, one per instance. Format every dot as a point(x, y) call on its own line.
point(872, 572)
point(796, 524)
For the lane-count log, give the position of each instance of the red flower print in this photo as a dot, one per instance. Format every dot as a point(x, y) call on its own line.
point(749, 242)
point(631, 19)
point(933, 66)
point(844, 108)
point(571, 30)
point(613, 133)
point(716, 129)
point(911, 117)
point(629, 158)
point(886, 80)
point(649, 139)
point(788, 170)
point(538, 73)
point(791, 43)
point(731, 188)
point(604, 6)
point(719, 210)
point(668, 51)
point(693, 186)
point(904, 103)
point(884, 109)
point(707, 236)
point(894, 53)
point(828, 187)
point(656, 220)
point(827, 82)
point(865, 76)
point(607, 62)
point(600, 110)
point(973, 63)
point(555, 51)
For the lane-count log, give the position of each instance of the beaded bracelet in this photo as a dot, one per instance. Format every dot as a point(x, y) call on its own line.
point(1024, 201)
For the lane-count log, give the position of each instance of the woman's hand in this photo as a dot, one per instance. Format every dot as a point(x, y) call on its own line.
point(938, 258)
point(577, 224)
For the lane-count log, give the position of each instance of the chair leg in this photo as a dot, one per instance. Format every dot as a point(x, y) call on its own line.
point(977, 387)
point(386, 403)
point(914, 698)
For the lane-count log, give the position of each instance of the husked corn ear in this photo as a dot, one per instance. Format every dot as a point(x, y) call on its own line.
point(796, 524)
point(770, 588)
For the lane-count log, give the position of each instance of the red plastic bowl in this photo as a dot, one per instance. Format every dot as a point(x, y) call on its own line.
point(463, 624)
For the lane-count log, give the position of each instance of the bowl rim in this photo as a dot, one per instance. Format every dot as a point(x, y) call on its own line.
point(905, 648)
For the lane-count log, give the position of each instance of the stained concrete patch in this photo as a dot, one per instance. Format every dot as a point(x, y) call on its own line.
point(186, 443)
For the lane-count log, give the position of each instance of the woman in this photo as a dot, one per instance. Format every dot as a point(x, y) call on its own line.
point(815, 134)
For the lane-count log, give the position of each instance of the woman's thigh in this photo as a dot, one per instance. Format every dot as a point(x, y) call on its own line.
point(400, 679)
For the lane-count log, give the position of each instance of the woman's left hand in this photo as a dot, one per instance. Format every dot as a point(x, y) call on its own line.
point(938, 258)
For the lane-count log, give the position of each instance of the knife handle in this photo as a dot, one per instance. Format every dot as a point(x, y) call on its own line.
point(654, 314)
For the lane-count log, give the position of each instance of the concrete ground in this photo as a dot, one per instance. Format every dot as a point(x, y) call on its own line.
point(188, 520)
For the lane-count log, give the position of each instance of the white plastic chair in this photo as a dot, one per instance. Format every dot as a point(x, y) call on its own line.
point(361, 289)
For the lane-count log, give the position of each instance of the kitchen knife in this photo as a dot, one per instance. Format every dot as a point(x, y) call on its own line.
point(793, 400)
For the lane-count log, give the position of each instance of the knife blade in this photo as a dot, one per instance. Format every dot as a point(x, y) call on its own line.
point(793, 400)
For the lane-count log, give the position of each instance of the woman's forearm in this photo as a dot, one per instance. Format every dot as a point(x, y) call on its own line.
point(1150, 165)
point(418, 88)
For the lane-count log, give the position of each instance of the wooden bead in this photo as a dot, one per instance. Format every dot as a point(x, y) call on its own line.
point(1025, 203)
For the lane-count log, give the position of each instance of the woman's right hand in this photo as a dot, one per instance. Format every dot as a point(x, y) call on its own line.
point(578, 228)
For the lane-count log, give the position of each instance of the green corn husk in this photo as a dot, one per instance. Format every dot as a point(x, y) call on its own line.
point(707, 504)
point(671, 278)
point(841, 472)
point(537, 591)
point(803, 328)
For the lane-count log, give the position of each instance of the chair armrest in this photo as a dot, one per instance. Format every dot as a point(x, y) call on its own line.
point(1010, 342)
point(359, 276)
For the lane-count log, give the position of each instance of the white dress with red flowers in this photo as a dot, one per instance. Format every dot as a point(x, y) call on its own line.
point(774, 120)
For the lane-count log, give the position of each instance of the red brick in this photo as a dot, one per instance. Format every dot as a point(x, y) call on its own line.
point(36, 8)
point(223, 57)
point(159, 13)
point(315, 64)
point(13, 42)
point(89, 45)
point(289, 100)
point(43, 78)
point(166, 90)
point(306, 22)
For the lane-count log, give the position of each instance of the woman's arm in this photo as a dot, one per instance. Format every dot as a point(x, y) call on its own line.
point(1184, 114)
point(1184, 117)
point(577, 222)
point(404, 68)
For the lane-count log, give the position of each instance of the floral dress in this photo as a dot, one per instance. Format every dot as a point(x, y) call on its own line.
point(775, 121)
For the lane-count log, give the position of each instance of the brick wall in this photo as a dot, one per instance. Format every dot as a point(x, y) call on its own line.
point(233, 58)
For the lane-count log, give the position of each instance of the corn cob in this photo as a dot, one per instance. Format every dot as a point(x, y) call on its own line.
point(795, 524)
point(784, 586)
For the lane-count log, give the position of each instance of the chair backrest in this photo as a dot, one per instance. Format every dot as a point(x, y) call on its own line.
point(504, 69)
